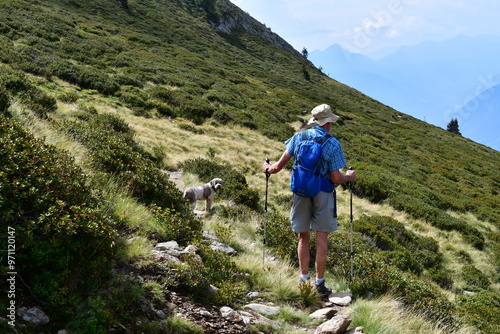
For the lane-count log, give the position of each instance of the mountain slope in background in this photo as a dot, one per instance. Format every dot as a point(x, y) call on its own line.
point(479, 117)
point(431, 80)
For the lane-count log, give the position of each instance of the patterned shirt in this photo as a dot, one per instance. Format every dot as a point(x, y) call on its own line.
point(332, 158)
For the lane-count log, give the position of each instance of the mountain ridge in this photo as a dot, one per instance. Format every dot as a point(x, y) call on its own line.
point(431, 80)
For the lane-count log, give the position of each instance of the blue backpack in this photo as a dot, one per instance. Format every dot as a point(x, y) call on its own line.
point(305, 180)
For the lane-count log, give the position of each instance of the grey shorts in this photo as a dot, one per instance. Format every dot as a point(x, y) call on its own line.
point(314, 213)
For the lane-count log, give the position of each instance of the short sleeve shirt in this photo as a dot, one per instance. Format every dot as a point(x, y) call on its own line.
point(332, 158)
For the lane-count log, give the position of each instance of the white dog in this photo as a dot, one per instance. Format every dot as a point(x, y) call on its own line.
point(205, 192)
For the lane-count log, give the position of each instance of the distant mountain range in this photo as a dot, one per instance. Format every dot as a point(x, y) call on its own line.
point(433, 81)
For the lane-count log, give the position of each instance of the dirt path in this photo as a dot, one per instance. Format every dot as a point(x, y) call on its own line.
point(176, 177)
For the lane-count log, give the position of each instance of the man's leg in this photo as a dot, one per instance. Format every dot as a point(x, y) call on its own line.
point(321, 253)
point(303, 252)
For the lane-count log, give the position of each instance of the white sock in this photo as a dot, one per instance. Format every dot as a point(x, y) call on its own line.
point(305, 277)
point(319, 281)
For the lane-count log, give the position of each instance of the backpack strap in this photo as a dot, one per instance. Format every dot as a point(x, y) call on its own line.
point(321, 141)
point(324, 139)
point(304, 135)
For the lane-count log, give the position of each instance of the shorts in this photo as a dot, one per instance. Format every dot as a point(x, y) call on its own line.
point(313, 213)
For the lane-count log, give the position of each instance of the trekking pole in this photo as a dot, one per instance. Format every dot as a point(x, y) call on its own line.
point(265, 214)
point(352, 250)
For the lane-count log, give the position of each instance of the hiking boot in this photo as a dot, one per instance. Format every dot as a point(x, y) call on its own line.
point(303, 282)
point(323, 291)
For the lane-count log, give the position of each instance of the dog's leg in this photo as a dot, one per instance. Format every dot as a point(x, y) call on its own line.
point(208, 204)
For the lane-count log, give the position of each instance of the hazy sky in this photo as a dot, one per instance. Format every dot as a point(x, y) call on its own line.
point(365, 26)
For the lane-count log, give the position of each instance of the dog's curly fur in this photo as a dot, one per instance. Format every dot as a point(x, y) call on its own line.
point(205, 192)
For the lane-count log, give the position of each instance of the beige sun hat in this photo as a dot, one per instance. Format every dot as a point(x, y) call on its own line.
point(321, 115)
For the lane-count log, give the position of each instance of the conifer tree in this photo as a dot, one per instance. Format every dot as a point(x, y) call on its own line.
point(305, 53)
point(453, 126)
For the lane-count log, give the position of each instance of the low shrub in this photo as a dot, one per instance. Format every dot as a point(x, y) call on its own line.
point(390, 235)
point(39, 102)
point(14, 82)
point(70, 96)
point(160, 93)
point(372, 183)
point(418, 209)
point(197, 110)
point(494, 246)
point(441, 277)
point(64, 238)
point(279, 236)
point(92, 78)
point(191, 128)
point(124, 300)
point(372, 276)
point(425, 298)
point(404, 261)
point(223, 116)
point(474, 278)
point(197, 274)
point(182, 227)
point(113, 151)
point(17, 84)
point(134, 99)
point(339, 252)
point(481, 310)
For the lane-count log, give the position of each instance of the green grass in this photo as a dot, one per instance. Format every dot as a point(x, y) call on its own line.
point(386, 315)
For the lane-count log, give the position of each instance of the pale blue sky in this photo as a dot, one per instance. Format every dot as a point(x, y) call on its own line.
point(365, 26)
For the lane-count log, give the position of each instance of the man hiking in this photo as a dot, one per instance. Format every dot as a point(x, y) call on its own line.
point(315, 213)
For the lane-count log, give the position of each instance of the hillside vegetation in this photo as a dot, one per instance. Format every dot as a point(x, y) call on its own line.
point(99, 100)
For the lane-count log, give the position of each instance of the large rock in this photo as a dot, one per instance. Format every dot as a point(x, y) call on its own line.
point(171, 248)
point(232, 315)
point(340, 298)
point(164, 246)
point(357, 330)
point(215, 245)
point(33, 315)
point(251, 318)
point(324, 313)
point(248, 317)
point(336, 325)
point(262, 309)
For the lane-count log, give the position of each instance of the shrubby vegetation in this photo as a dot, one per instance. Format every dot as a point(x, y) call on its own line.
point(388, 259)
point(113, 151)
point(64, 238)
point(196, 276)
point(481, 310)
point(16, 84)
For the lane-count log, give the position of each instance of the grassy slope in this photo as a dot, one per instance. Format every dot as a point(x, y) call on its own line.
point(242, 80)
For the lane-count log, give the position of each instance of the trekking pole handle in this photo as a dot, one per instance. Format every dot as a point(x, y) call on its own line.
point(350, 183)
point(267, 181)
